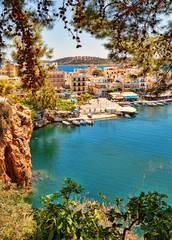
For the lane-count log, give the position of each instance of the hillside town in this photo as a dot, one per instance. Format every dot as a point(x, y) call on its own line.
point(93, 80)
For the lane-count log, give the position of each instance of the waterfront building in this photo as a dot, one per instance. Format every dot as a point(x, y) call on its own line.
point(113, 73)
point(9, 69)
point(99, 86)
point(57, 78)
point(78, 83)
point(89, 72)
point(50, 65)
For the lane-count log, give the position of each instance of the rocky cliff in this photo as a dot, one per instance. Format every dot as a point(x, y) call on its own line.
point(15, 134)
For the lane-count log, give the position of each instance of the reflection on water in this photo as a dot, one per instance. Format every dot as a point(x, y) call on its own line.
point(111, 157)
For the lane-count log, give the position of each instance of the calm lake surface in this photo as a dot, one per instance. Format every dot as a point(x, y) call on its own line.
point(111, 157)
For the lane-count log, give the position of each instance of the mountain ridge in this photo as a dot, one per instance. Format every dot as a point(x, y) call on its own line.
point(82, 60)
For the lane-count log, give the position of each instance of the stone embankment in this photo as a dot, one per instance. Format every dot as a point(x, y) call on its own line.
point(15, 158)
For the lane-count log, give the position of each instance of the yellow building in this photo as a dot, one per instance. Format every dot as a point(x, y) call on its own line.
point(9, 69)
point(57, 78)
point(112, 73)
point(78, 83)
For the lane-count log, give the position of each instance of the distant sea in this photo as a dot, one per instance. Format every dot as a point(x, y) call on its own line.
point(70, 68)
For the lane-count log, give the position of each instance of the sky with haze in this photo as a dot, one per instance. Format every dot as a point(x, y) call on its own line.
point(64, 46)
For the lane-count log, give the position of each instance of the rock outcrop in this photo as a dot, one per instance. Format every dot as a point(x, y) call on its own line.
point(15, 158)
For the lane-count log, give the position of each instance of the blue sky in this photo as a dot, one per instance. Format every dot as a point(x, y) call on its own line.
point(64, 46)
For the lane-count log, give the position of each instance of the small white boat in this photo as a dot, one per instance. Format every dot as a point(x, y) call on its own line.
point(56, 119)
point(89, 122)
point(154, 104)
point(166, 103)
point(66, 123)
point(136, 104)
point(149, 104)
point(76, 123)
point(83, 122)
point(127, 115)
point(160, 104)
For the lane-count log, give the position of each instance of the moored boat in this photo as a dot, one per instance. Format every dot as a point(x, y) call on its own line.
point(136, 104)
point(66, 123)
point(89, 122)
point(160, 104)
point(127, 115)
point(149, 104)
point(83, 122)
point(76, 123)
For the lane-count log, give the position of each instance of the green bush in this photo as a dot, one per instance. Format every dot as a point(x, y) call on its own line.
point(93, 220)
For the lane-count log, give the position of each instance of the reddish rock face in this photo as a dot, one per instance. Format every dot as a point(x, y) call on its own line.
point(15, 158)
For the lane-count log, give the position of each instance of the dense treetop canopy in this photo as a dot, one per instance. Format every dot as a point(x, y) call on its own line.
point(132, 28)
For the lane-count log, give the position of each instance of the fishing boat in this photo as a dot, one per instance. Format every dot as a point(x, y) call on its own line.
point(149, 104)
point(127, 115)
point(89, 122)
point(83, 122)
point(76, 123)
point(160, 104)
point(136, 104)
point(66, 123)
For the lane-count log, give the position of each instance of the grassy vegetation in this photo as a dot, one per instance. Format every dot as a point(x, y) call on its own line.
point(16, 221)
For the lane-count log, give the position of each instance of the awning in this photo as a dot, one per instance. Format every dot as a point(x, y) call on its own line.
point(75, 111)
point(119, 97)
point(128, 97)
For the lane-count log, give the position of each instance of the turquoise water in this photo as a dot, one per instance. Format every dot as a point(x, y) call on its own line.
point(111, 157)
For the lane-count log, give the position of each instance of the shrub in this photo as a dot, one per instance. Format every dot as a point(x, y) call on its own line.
point(95, 220)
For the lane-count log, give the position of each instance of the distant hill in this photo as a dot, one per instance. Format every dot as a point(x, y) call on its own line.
point(79, 60)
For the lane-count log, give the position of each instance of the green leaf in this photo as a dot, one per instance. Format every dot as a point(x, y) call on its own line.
point(154, 233)
point(68, 230)
point(60, 226)
point(51, 235)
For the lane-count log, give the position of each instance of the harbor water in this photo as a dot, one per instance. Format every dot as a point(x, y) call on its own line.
point(111, 157)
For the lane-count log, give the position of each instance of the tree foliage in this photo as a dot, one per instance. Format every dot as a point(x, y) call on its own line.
point(42, 99)
point(94, 220)
point(6, 87)
point(132, 28)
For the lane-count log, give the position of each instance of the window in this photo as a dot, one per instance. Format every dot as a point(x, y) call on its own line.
point(79, 84)
point(79, 79)
point(83, 79)
point(79, 89)
point(83, 89)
